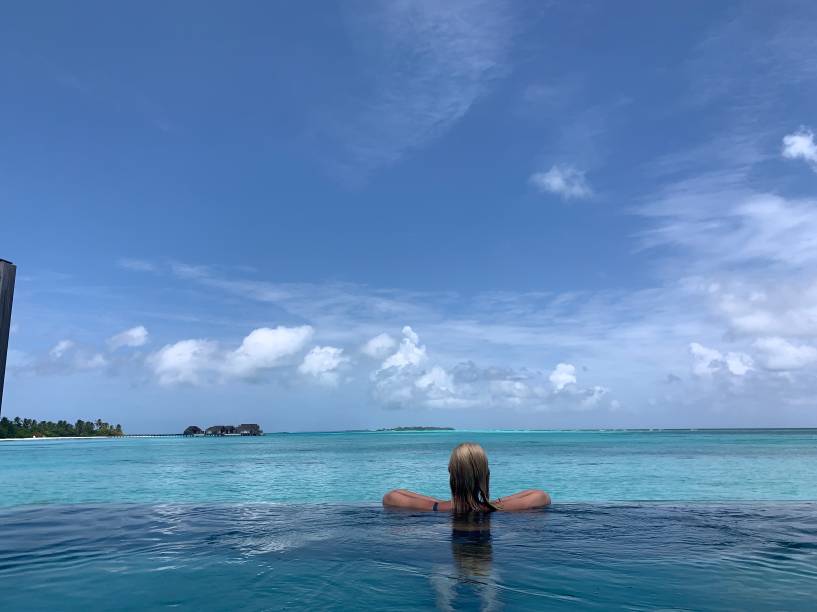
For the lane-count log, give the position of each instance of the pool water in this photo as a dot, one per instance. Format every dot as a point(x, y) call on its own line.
point(316, 557)
point(641, 521)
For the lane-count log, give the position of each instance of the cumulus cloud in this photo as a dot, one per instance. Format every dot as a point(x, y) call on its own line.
point(195, 361)
point(184, 362)
point(780, 354)
point(801, 145)
point(409, 353)
point(264, 348)
point(562, 180)
point(439, 389)
point(322, 363)
point(563, 374)
point(592, 396)
point(406, 379)
point(708, 361)
point(133, 337)
point(379, 346)
point(739, 363)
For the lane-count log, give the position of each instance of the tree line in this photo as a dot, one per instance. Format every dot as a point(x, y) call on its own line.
point(27, 428)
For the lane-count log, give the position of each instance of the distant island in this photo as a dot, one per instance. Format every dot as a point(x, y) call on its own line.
point(245, 429)
point(32, 428)
point(417, 428)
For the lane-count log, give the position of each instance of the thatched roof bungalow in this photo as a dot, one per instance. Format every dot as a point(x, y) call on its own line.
point(220, 430)
point(249, 429)
point(193, 430)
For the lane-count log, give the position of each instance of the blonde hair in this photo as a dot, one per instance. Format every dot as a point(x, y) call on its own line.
point(470, 479)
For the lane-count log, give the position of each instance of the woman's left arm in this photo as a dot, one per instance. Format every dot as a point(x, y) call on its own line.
point(403, 498)
point(524, 500)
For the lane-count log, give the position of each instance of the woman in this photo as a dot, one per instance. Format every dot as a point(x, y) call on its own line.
point(469, 477)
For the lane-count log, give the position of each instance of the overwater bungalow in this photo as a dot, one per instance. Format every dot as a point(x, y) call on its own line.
point(249, 429)
point(220, 430)
point(193, 430)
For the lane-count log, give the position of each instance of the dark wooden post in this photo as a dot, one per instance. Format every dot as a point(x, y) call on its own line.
point(7, 273)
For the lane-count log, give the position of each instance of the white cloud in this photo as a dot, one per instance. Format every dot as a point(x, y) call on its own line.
point(436, 379)
point(61, 348)
point(720, 226)
point(438, 390)
point(780, 354)
point(199, 361)
point(133, 337)
point(409, 353)
point(322, 362)
point(564, 374)
point(594, 395)
point(429, 62)
point(184, 362)
point(801, 145)
point(708, 361)
point(705, 361)
point(65, 357)
point(511, 391)
point(379, 346)
point(93, 362)
point(739, 363)
point(563, 180)
point(264, 348)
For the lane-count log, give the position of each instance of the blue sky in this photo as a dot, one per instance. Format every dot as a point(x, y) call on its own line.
point(477, 214)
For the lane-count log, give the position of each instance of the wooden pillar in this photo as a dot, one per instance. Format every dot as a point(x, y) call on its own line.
point(7, 273)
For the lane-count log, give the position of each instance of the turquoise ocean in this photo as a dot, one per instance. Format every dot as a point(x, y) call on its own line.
point(719, 519)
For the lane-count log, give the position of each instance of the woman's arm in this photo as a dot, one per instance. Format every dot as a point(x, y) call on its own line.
point(402, 498)
point(524, 500)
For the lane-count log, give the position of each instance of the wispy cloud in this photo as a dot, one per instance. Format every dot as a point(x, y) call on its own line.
point(133, 337)
point(429, 63)
point(64, 358)
point(139, 265)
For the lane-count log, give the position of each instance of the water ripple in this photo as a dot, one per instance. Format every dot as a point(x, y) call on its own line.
point(272, 556)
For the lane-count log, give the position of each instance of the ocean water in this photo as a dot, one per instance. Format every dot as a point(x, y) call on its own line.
point(359, 467)
point(641, 520)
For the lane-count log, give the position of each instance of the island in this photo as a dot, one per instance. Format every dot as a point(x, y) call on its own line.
point(32, 428)
point(417, 428)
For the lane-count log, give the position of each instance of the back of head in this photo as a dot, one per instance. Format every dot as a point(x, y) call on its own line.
point(470, 479)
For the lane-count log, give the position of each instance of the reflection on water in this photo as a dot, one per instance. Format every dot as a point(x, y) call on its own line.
point(472, 570)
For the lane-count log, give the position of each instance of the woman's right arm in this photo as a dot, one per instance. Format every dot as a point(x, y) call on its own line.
point(403, 498)
point(524, 500)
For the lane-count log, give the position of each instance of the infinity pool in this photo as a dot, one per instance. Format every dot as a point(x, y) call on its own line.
point(344, 557)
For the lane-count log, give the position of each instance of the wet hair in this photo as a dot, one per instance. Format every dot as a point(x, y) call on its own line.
point(470, 479)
